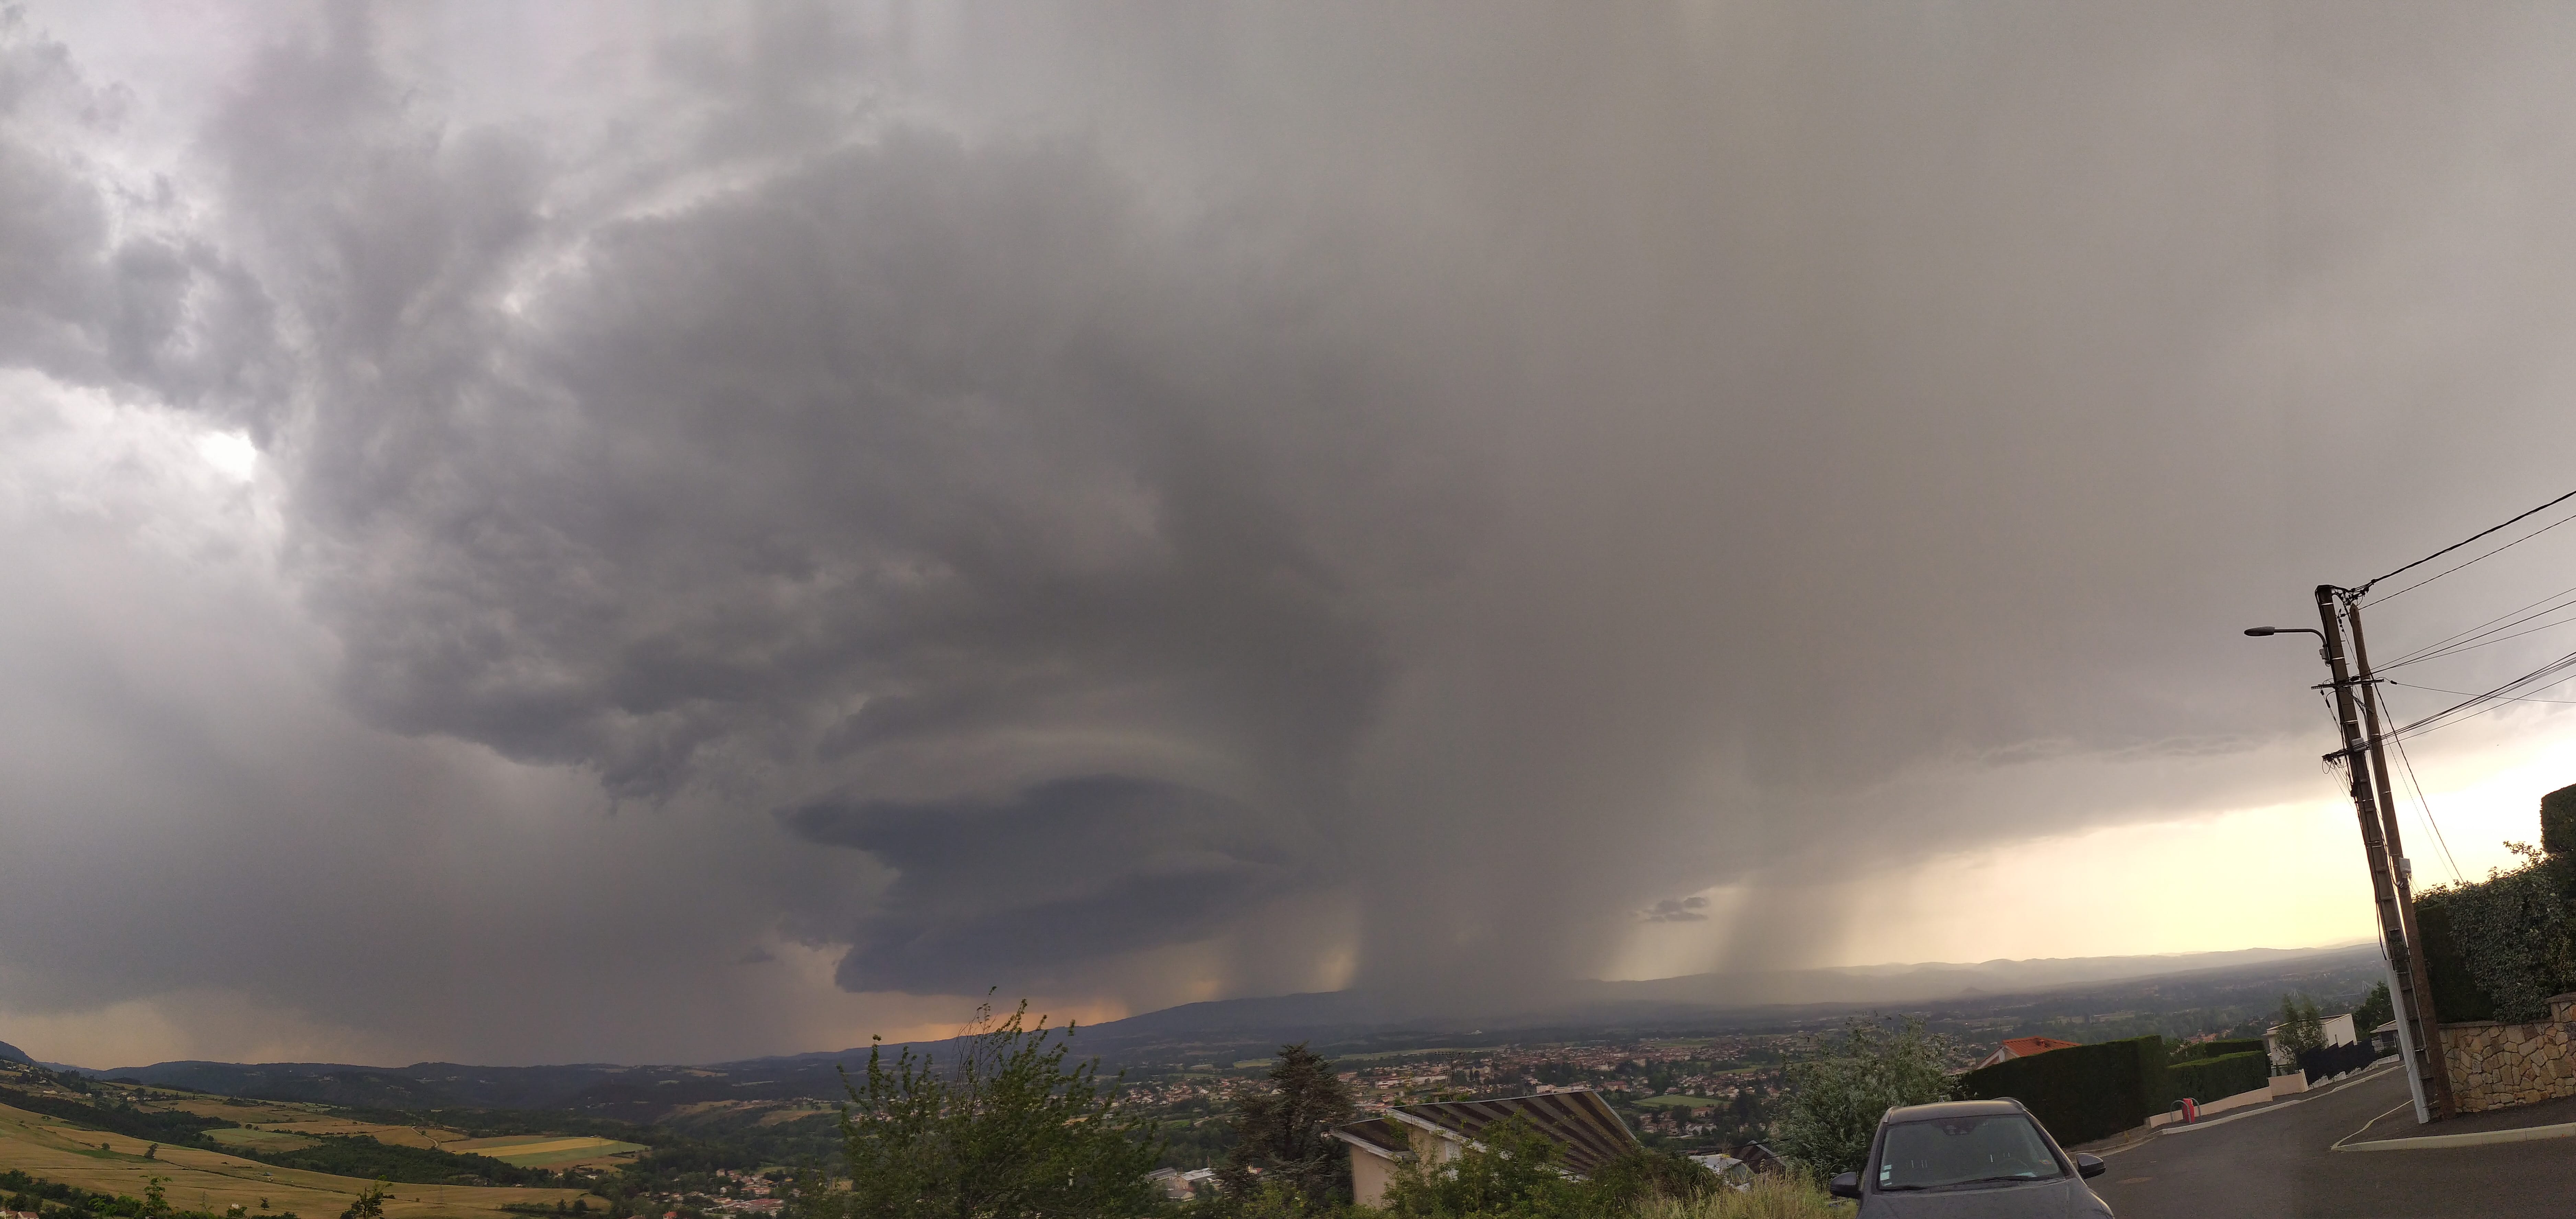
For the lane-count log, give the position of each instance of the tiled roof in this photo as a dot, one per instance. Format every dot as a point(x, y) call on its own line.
point(1580, 1123)
point(2024, 1047)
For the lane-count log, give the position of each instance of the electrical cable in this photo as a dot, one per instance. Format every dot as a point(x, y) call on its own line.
point(2564, 702)
point(2471, 647)
point(2480, 559)
point(2358, 593)
point(2423, 802)
point(2504, 621)
point(2485, 702)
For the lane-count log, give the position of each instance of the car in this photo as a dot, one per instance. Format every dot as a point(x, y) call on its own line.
point(1985, 1158)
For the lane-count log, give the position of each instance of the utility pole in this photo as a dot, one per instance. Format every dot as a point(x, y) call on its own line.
point(2422, 1021)
point(2418, 1027)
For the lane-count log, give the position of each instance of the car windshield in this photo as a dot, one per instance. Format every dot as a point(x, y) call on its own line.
point(1962, 1150)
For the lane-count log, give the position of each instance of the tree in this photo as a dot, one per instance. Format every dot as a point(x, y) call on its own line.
point(2302, 1029)
point(1279, 1131)
point(2375, 1010)
point(1835, 1097)
point(370, 1205)
point(1004, 1132)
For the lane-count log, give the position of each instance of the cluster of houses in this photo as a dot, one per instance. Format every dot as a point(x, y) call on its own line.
point(1586, 1130)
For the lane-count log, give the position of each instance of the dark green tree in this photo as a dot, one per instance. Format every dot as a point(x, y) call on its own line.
point(1004, 1131)
point(1836, 1095)
point(2375, 1010)
point(1279, 1131)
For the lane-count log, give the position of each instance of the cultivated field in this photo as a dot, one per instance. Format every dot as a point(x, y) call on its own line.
point(199, 1178)
point(547, 1151)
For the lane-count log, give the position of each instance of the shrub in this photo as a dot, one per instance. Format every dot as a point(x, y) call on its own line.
point(2511, 936)
point(1511, 1172)
point(2082, 1093)
point(1836, 1097)
point(2208, 1079)
point(2558, 822)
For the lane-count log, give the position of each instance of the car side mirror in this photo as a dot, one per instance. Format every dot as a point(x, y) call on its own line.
point(1847, 1184)
point(2091, 1166)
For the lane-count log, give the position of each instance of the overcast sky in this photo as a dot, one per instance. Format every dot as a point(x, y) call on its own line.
point(633, 532)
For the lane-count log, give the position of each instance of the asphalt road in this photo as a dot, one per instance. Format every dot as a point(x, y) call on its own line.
point(2279, 1163)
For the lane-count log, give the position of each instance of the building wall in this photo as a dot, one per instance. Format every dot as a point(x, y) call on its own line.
point(2497, 1066)
point(1369, 1175)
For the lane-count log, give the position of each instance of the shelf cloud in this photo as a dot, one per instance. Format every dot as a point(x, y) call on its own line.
point(1135, 506)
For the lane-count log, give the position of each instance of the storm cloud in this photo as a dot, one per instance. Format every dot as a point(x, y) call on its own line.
point(1149, 503)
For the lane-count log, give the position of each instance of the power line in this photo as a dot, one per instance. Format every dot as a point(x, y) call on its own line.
point(2486, 702)
point(2358, 593)
point(2488, 627)
point(2446, 653)
point(2480, 559)
point(2422, 801)
point(2564, 702)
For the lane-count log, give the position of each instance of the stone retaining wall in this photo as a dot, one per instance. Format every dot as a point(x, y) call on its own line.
point(2497, 1066)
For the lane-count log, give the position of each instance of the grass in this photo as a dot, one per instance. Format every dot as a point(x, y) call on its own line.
point(204, 1178)
point(1772, 1197)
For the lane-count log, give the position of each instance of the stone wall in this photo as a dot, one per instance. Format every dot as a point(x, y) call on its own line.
point(2496, 1066)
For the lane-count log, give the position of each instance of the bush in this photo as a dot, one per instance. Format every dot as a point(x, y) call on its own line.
point(1836, 1098)
point(2510, 934)
point(2208, 1079)
point(2085, 1092)
point(2456, 995)
point(2558, 822)
point(1513, 1172)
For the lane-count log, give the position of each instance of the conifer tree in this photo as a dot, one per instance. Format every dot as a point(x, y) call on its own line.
point(1280, 1131)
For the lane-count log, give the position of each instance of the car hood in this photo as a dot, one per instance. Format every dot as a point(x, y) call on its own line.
point(2062, 1199)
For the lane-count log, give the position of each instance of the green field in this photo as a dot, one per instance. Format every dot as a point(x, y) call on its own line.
point(1675, 1102)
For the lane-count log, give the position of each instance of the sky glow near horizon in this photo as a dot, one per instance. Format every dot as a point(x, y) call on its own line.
point(668, 533)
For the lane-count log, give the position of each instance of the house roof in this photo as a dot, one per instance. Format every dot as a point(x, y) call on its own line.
point(1580, 1123)
point(1384, 1136)
point(2024, 1047)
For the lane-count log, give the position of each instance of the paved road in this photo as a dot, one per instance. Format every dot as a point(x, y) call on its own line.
point(2278, 1163)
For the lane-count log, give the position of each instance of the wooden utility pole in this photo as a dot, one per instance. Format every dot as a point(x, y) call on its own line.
point(2418, 1025)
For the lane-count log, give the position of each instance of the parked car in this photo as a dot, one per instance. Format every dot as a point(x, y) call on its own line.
point(1985, 1158)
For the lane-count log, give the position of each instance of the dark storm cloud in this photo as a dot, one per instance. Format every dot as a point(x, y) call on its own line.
point(1319, 482)
point(91, 300)
point(1063, 871)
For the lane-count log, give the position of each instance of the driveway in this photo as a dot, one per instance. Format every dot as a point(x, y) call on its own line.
point(2277, 1162)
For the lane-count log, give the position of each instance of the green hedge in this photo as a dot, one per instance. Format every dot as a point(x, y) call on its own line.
point(2456, 996)
point(2217, 1049)
point(2208, 1079)
point(2085, 1092)
point(2558, 821)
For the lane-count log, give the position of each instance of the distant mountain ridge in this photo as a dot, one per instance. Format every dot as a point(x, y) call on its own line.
point(1252, 1026)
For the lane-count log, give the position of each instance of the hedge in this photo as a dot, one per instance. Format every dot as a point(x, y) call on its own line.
point(2084, 1092)
point(2558, 821)
point(2217, 1049)
point(2456, 996)
point(2208, 1079)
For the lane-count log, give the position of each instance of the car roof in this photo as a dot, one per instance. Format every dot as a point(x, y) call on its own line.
point(1954, 1108)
